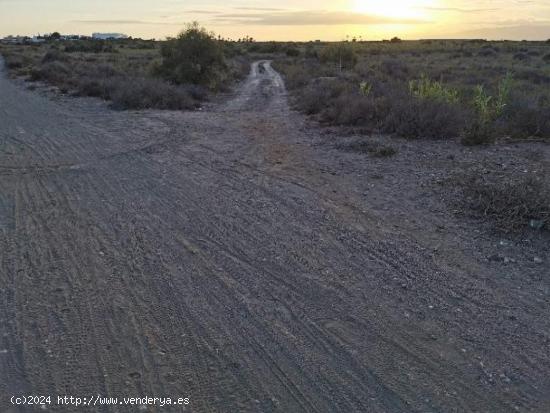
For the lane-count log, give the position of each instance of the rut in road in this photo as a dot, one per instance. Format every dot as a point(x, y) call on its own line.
point(204, 255)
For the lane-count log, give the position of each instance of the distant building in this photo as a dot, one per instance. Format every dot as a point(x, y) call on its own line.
point(15, 40)
point(38, 39)
point(108, 36)
point(70, 37)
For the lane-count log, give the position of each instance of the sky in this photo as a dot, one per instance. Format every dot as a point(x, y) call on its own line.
point(298, 20)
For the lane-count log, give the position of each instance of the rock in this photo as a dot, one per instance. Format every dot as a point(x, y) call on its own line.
point(496, 258)
point(538, 260)
point(536, 223)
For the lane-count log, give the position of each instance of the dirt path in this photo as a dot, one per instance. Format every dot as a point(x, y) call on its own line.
point(211, 255)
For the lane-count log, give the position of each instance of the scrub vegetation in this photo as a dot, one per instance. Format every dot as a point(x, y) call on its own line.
point(178, 73)
point(475, 90)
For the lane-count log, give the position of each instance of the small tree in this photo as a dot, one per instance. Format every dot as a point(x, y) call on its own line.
point(341, 54)
point(195, 56)
point(55, 36)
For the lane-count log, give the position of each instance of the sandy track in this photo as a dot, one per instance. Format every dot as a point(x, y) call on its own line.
point(205, 255)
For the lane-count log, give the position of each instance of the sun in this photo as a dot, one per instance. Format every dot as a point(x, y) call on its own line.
point(392, 8)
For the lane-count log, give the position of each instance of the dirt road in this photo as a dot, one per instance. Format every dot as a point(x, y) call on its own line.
point(212, 255)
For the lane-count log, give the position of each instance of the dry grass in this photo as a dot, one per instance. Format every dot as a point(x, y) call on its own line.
point(512, 201)
point(368, 147)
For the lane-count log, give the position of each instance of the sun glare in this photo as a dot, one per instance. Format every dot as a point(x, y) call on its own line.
point(392, 8)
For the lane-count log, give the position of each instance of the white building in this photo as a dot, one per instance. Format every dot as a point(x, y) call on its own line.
point(108, 36)
point(37, 39)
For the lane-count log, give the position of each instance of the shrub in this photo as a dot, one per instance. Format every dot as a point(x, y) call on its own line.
point(384, 151)
point(149, 93)
point(489, 52)
point(342, 55)
point(195, 56)
point(321, 95)
point(365, 88)
point(267, 48)
point(354, 109)
point(521, 56)
point(296, 75)
point(54, 72)
point(90, 46)
point(424, 118)
point(54, 55)
point(373, 148)
point(527, 117)
point(425, 88)
point(533, 76)
point(488, 109)
point(13, 62)
point(311, 52)
point(478, 133)
point(395, 69)
point(292, 52)
point(312, 100)
point(510, 201)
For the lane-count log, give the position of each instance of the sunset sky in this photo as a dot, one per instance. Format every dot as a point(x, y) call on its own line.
point(284, 19)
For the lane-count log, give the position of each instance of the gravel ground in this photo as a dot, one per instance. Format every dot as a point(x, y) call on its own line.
point(234, 256)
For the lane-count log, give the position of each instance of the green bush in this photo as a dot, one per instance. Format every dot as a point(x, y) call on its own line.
point(194, 57)
point(425, 88)
point(488, 109)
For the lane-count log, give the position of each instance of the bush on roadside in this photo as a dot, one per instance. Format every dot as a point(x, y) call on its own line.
point(415, 118)
point(54, 72)
point(488, 110)
point(512, 202)
point(14, 62)
point(149, 94)
point(526, 117)
point(194, 57)
point(354, 109)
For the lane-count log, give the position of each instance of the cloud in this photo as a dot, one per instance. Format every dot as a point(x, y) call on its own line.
point(539, 31)
point(258, 8)
point(310, 18)
point(122, 22)
point(202, 12)
point(456, 9)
